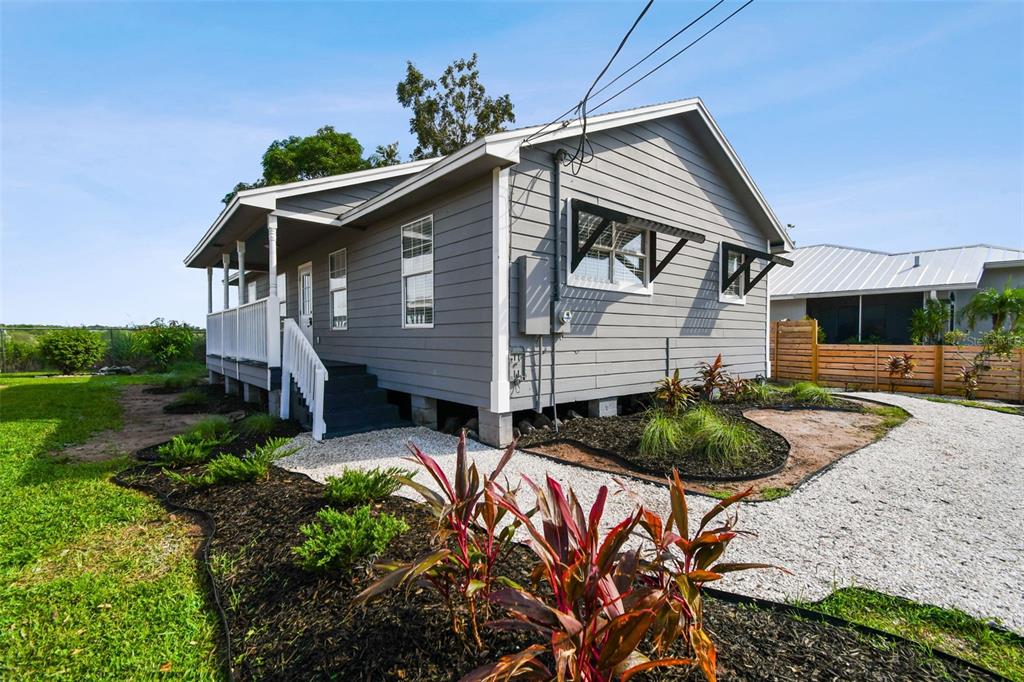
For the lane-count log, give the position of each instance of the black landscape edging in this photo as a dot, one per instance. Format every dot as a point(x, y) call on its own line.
point(209, 527)
point(818, 616)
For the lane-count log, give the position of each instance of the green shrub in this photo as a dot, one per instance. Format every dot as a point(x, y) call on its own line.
point(341, 539)
point(260, 424)
point(185, 451)
point(662, 435)
point(360, 487)
point(718, 438)
point(167, 342)
point(759, 391)
point(811, 393)
point(252, 466)
point(125, 348)
point(72, 350)
point(21, 356)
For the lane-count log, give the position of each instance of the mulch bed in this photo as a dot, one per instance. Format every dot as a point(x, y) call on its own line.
point(619, 438)
point(217, 402)
point(288, 624)
point(239, 446)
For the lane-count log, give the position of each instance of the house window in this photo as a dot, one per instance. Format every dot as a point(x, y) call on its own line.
point(418, 273)
point(338, 285)
point(282, 295)
point(734, 292)
point(617, 259)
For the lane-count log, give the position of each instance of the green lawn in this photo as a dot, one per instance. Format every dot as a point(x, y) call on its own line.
point(96, 582)
point(953, 632)
point(994, 407)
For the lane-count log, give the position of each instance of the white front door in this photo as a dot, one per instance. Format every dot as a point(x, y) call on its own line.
point(305, 282)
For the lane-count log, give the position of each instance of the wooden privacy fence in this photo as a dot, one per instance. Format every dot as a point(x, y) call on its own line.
point(797, 355)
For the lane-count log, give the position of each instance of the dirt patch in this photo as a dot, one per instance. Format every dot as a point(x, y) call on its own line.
point(145, 424)
point(817, 438)
point(286, 623)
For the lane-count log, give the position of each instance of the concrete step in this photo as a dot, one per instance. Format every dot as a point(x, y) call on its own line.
point(363, 429)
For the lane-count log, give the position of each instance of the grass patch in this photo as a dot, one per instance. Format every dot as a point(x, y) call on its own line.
point(994, 407)
point(810, 393)
point(184, 375)
point(891, 415)
point(355, 486)
point(770, 494)
point(951, 631)
point(96, 582)
point(662, 435)
point(190, 398)
point(717, 437)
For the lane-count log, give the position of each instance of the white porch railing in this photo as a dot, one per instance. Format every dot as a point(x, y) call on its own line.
point(300, 361)
point(248, 332)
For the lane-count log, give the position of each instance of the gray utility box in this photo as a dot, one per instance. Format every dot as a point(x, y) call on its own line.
point(534, 295)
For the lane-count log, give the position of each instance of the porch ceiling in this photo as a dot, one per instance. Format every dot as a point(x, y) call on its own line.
point(250, 224)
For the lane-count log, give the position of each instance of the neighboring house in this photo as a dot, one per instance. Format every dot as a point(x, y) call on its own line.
point(432, 280)
point(857, 294)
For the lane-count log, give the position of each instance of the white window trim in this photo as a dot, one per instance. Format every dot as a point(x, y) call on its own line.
point(403, 274)
point(330, 291)
point(725, 296)
point(574, 280)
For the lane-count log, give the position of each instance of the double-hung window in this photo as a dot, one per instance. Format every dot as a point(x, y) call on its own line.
point(418, 273)
point(616, 259)
point(338, 286)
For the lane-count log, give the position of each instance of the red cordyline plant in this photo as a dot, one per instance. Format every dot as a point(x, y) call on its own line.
point(470, 534)
point(601, 602)
point(712, 375)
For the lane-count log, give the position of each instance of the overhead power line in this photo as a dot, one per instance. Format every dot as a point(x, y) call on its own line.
point(691, 44)
point(577, 107)
point(650, 54)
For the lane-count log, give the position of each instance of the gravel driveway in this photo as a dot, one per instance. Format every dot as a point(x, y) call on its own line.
point(932, 512)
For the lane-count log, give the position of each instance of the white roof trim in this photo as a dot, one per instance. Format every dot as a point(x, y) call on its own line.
point(266, 197)
point(503, 152)
point(641, 114)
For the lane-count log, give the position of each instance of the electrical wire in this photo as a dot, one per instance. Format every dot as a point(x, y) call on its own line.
point(658, 48)
point(659, 66)
point(582, 102)
point(581, 150)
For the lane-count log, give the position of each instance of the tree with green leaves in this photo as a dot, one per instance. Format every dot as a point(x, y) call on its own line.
point(928, 324)
point(453, 111)
point(326, 152)
point(999, 306)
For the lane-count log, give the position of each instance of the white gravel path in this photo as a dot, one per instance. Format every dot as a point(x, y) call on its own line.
point(932, 512)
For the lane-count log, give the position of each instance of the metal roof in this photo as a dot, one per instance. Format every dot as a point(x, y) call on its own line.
point(827, 269)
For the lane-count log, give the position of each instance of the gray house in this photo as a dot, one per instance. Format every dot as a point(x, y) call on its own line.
point(862, 295)
point(498, 278)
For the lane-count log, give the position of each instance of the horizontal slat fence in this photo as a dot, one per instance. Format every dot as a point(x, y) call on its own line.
point(797, 355)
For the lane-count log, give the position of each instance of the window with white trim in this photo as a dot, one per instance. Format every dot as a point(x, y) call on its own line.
point(338, 287)
point(734, 292)
point(617, 259)
point(418, 273)
point(282, 295)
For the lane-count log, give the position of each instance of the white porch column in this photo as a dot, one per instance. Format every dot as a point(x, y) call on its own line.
point(209, 290)
point(273, 310)
point(272, 254)
point(242, 293)
point(225, 259)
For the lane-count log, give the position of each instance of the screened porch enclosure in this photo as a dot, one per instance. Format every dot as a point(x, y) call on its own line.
point(878, 318)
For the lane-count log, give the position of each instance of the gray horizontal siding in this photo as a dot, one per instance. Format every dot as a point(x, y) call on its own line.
point(623, 343)
point(452, 361)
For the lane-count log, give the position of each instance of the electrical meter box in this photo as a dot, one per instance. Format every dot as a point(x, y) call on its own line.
point(534, 295)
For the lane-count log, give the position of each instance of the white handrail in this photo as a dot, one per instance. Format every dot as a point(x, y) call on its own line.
point(214, 322)
point(300, 361)
point(246, 332)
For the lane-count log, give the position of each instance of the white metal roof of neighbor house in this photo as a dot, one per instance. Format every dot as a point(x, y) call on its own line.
point(828, 270)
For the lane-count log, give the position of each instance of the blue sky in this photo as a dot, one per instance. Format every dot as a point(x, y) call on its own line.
point(889, 125)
